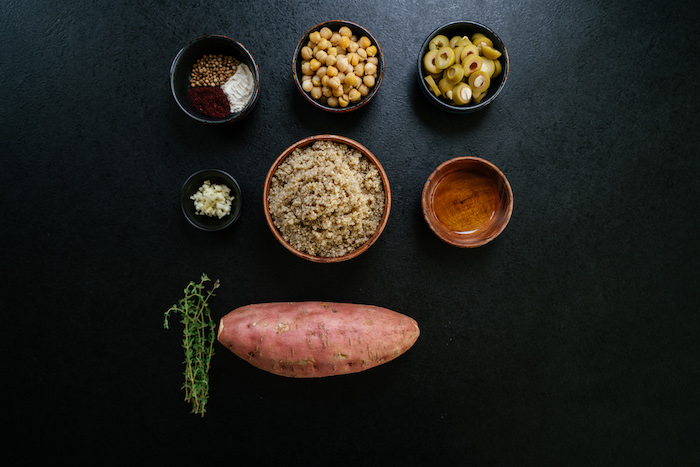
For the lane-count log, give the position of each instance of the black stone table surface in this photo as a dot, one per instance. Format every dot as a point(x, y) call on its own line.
point(571, 339)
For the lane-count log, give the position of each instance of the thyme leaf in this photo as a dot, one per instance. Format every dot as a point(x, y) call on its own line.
point(198, 335)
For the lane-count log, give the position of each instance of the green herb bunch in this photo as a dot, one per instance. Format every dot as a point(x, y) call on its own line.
point(198, 337)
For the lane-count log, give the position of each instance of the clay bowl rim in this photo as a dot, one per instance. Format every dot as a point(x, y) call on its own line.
point(446, 235)
point(180, 72)
point(296, 66)
point(365, 152)
point(469, 27)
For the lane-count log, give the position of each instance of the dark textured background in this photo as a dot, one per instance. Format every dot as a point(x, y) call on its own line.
point(572, 339)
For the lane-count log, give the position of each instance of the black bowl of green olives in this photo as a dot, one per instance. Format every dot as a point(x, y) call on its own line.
point(462, 67)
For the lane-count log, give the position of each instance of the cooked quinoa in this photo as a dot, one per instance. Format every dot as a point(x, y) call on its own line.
point(326, 199)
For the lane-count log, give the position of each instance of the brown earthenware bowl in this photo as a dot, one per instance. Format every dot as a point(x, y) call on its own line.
point(334, 26)
point(366, 153)
point(467, 201)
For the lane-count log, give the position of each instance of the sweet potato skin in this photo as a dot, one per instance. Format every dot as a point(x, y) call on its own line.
point(316, 339)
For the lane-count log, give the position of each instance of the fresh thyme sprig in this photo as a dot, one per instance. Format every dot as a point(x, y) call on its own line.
point(198, 335)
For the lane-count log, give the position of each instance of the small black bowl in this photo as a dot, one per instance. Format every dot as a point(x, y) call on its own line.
point(462, 28)
point(191, 186)
point(181, 69)
point(334, 26)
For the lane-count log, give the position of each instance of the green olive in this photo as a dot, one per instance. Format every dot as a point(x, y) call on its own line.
point(461, 93)
point(453, 41)
point(489, 52)
point(479, 38)
point(433, 87)
point(471, 64)
point(429, 62)
point(468, 50)
point(476, 97)
point(464, 41)
point(479, 81)
point(455, 73)
point(497, 68)
point(445, 57)
point(438, 42)
point(445, 85)
point(487, 66)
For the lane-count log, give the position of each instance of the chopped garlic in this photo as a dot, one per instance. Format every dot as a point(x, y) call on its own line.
point(213, 200)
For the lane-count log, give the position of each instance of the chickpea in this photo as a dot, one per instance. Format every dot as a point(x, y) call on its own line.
point(353, 46)
point(343, 100)
point(344, 42)
point(335, 38)
point(337, 92)
point(341, 76)
point(315, 37)
point(350, 79)
point(332, 101)
point(342, 63)
point(364, 90)
point(374, 60)
point(372, 50)
point(314, 64)
point(306, 68)
point(321, 56)
point(354, 59)
point(360, 69)
point(332, 51)
point(334, 83)
point(305, 78)
point(316, 92)
point(362, 53)
point(345, 31)
point(331, 71)
point(364, 42)
point(321, 72)
point(326, 91)
point(354, 95)
point(323, 44)
point(331, 60)
point(306, 53)
point(369, 81)
point(316, 80)
point(324, 80)
point(370, 68)
point(307, 85)
point(347, 88)
point(326, 32)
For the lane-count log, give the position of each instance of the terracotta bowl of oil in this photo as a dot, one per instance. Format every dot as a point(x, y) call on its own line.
point(467, 201)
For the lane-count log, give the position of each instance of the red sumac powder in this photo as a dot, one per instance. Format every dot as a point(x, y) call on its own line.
point(210, 100)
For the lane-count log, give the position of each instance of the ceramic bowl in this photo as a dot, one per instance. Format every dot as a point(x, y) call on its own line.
point(181, 68)
point(366, 153)
point(462, 28)
point(334, 26)
point(215, 177)
point(467, 201)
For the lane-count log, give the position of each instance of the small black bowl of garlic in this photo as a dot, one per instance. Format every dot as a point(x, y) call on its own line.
point(211, 200)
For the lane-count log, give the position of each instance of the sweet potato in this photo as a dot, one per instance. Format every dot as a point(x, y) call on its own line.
point(316, 339)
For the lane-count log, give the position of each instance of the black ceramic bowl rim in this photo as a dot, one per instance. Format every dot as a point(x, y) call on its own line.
point(192, 184)
point(296, 65)
point(442, 103)
point(179, 86)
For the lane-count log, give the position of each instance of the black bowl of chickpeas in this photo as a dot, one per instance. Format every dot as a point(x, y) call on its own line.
point(462, 67)
point(338, 66)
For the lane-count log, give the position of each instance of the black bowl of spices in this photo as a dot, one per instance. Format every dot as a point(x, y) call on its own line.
point(215, 80)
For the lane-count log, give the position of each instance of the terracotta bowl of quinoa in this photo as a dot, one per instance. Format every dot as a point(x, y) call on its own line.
point(326, 199)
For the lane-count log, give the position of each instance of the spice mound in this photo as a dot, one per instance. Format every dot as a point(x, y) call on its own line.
point(326, 199)
point(213, 200)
